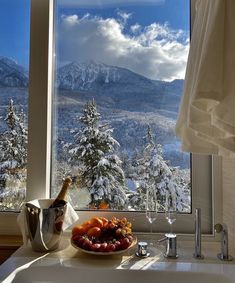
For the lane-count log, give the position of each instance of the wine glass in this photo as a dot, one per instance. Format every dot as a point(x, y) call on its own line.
point(151, 207)
point(170, 209)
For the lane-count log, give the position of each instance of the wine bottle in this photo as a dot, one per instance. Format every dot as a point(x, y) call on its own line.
point(60, 200)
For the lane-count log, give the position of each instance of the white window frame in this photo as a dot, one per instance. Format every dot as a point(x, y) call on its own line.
point(206, 170)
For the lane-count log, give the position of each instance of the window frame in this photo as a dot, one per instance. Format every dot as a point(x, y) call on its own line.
point(206, 170)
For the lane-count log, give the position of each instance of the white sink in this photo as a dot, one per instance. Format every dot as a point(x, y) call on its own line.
point(68, 265)
point(63, 274)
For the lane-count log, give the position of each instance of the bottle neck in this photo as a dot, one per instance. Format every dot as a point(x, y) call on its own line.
point(62, 196)
point(63, 192)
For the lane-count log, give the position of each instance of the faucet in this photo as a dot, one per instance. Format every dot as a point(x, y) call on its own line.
point(197, 254)
point(224, 255)
point(171, 247)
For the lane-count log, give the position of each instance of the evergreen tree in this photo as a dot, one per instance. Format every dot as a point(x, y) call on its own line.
point(13, 152)
point(181, 187)
point(93, 152)
point(13, 142)
point(153, 173)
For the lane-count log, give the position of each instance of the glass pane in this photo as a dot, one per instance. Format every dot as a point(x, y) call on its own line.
point(14, 63)
point(120, 69)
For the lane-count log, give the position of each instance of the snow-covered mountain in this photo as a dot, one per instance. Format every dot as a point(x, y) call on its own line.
point(12, 74)
point(93, 77)
point(84, 76)
point(122, 87)
point(111, 85)
point(90, 75)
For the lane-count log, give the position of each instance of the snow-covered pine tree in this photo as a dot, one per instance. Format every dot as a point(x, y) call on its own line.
point(13, 153)
point(101, 171)
point(180, 185)
point(153, 173)
point(17, 138)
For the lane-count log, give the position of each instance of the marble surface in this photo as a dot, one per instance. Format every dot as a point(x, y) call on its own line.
point(67, 256)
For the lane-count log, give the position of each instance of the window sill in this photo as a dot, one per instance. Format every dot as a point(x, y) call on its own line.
point(8, 245)
point(10, 242)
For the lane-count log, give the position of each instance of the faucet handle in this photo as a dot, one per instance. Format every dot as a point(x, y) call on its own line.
point(197, 253)
point(171, 245)
point(224, 255)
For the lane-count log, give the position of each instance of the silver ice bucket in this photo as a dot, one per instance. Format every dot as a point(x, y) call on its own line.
point(44, 225)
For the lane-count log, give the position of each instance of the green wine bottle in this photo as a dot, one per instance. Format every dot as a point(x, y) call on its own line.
point(60, 200)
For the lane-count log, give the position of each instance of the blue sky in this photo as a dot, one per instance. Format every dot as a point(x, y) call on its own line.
point(176, 12)
point(163, 20)
point(14, 30)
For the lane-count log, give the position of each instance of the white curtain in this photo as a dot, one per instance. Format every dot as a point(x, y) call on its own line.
point(206, 121)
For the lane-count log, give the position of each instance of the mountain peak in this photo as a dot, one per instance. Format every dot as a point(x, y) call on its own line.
point(12, 74)
point(85, 75)
point(7, 60)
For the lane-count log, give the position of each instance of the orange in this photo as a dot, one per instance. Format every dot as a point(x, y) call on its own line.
point(104, 220)
point(94, 232)
point(78, 230)
point(96, 222)
point(86, 225)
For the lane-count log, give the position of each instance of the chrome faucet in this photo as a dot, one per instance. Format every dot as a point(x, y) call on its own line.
point(224, 255)
point(197, 254)
point(171, 246)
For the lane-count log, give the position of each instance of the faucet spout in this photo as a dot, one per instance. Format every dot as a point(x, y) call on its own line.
point(197, 254)
point(224, 255)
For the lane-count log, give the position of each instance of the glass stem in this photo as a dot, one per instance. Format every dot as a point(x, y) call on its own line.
point(151, 231)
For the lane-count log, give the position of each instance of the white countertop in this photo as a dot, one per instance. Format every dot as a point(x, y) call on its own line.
point(68, 256)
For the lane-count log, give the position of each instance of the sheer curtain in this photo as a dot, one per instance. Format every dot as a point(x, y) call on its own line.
point(206, 121)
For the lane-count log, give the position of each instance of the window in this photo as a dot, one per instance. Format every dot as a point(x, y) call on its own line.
point(14, 63)
point(119, 79)
point(40, 110)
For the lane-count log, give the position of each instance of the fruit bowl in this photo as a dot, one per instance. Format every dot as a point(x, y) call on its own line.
point(105, 253)
point(101, 236)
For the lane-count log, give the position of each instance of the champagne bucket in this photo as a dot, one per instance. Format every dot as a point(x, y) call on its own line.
point(44, 225)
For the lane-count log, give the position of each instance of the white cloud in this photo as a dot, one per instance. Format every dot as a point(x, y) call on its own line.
point(124, 16)
point(155, 51)
point(135, 28)
point(72, 19)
